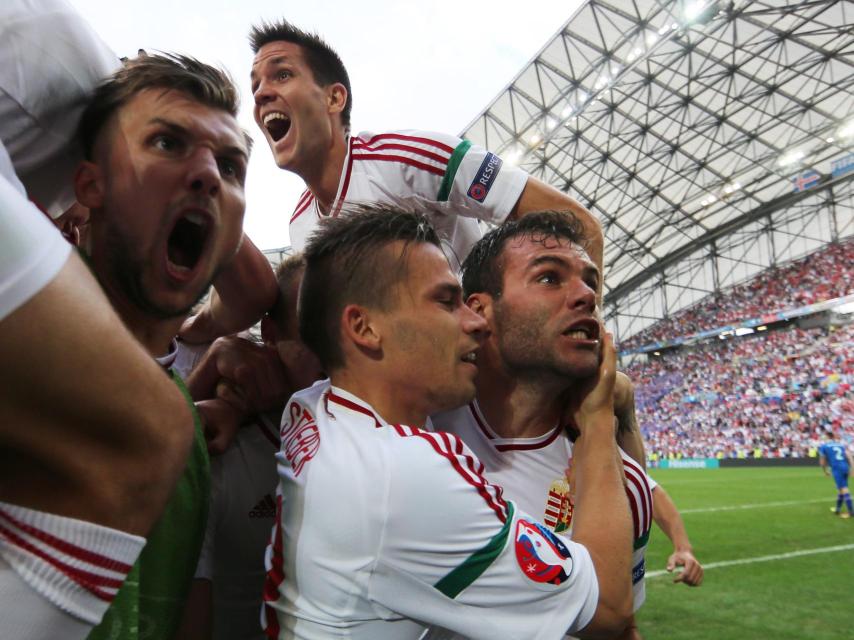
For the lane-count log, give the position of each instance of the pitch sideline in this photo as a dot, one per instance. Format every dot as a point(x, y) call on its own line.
point(779, 556)
point(755, 505)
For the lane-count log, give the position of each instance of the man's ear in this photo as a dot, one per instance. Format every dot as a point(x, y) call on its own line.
point(481, 304)
point(89, 185)
point(336, 95)
point(360, 328)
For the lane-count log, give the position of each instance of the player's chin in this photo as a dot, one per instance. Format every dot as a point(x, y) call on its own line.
point(581, 368)
point(460, 394)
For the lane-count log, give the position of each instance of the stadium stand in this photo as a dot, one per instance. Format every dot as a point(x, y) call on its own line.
point(822, 275)
point(767, 395)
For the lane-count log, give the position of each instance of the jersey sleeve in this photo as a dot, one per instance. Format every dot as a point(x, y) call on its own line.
point(453, 548)
point(460, 177)
point(32, 251)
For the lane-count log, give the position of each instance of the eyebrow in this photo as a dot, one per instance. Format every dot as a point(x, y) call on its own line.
point(280, 59)
point(448, 288)
point(179, 130)
point(556, 260)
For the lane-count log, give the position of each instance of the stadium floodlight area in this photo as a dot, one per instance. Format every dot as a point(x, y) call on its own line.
point(713, 139)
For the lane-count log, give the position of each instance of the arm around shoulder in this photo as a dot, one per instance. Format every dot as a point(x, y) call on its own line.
point(539, 196)
point(99, 431)
point(242, 293)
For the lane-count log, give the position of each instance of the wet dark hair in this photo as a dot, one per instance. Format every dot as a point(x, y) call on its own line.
point(348, 262)
point(483, 270)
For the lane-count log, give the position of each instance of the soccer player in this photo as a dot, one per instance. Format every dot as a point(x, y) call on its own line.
point(303, 101)
point(163, 179)
point(832, 454)
point(226, 596)
point(385, 528)
point(86, 414)
point(86, 417)
point(535, 285)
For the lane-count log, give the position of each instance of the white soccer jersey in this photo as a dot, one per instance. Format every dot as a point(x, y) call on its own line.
point(458, 182)
point(58, 575)
point(533, 474)
point(384, 530)
point(243, 510)
point(32, 251)
point(50, 61)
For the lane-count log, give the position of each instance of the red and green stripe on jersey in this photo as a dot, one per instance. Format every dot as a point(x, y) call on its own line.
point(420, 152)
point(452, 449)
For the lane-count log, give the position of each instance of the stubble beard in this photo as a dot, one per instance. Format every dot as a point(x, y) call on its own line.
point(527, 353)
point(127, 269)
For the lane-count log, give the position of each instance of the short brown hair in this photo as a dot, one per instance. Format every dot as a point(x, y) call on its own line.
point(288, 273)
point(171, 72)
point(347, 262)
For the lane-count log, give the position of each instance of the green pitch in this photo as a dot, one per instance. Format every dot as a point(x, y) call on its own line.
point(801, 596)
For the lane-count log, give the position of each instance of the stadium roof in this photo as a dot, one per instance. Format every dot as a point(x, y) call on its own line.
point(713, 139)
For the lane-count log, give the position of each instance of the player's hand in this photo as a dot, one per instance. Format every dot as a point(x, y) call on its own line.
point(594, 403)
point(692, 572)
point(220, 423)
point(253, 370)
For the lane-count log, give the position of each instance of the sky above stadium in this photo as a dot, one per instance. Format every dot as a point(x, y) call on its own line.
point(432, 64)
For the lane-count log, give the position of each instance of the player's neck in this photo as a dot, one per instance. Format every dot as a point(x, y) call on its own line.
point(515, 407)
point(152, 332)
point(324, 177)
point(155, 335)
point(385, 395)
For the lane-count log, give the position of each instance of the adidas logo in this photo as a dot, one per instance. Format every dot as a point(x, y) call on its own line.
point(266, 508)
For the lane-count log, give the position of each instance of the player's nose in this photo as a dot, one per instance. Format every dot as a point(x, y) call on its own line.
point(581, 296)
point(203, 172)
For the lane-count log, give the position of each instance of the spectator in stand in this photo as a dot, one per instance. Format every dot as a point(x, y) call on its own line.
point(770, 394)
point(823, 275)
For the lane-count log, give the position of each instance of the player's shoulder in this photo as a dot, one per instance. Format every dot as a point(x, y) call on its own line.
point(416, 138)
point(304, 203)
point(309, 397)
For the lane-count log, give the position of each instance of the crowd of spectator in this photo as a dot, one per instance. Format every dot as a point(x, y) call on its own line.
point(822, 275)
point(771, 394)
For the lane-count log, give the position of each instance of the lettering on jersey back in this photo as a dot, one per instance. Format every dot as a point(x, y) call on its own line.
point(486, 174)
point(300, 437)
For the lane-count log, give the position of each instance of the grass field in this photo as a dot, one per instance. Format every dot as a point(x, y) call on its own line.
point(731, 515)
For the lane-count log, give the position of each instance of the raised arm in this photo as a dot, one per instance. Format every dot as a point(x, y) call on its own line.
point(602, 522)
point(92, 428)
point(539, 196)
point(628, 432)
point(242, 292)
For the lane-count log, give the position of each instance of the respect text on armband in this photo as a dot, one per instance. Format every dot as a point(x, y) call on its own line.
point(485, 177)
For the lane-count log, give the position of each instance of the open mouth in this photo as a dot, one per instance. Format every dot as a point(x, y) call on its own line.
point(187, 241)
point(277, 125)
point(583, 331)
